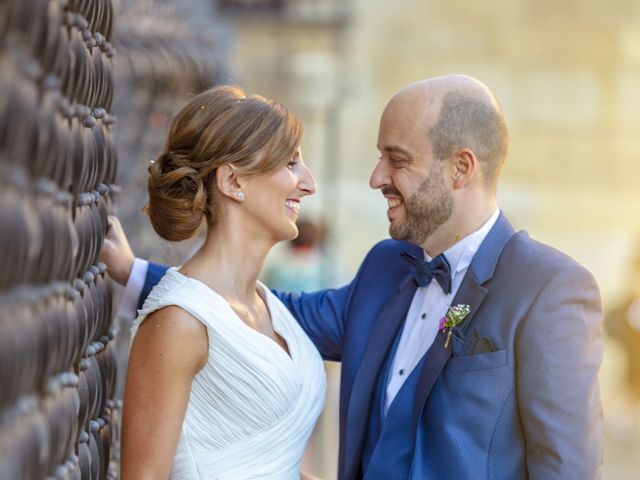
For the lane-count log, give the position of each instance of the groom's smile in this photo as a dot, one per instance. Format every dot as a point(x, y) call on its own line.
point(394, 201)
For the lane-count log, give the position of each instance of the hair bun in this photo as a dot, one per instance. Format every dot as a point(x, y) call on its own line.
point(177, 197)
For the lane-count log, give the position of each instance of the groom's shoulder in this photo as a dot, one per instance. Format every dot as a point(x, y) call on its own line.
point(536, 255)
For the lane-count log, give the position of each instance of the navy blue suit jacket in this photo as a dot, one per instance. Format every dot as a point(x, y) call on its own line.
point(526, 405)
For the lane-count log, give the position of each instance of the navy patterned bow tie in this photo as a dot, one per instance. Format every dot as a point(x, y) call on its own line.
point(423, 272)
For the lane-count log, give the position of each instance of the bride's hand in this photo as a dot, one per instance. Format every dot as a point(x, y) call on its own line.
point(308, 476)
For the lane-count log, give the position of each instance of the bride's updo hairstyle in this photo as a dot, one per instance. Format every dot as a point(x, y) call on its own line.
point(217, 127)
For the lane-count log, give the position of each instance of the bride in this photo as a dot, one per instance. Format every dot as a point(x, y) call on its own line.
point(222, 382)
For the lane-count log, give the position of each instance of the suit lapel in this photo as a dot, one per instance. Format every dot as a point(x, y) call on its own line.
point(381, 339)
point(472, 293)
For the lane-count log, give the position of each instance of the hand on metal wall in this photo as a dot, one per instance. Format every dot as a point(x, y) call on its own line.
point(116, 252)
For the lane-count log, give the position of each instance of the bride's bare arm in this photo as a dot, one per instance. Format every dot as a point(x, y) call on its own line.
point(168, 350)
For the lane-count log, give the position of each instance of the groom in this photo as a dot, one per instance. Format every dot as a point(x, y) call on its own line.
point(468, 350)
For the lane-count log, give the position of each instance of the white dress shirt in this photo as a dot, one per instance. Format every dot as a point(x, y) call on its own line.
point(135, 283)
point(428, 306)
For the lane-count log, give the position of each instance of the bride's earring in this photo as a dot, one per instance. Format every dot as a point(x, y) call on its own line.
point(239, 195)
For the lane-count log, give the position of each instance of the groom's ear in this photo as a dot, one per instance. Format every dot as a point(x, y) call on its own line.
point(465, 167)
point(229, 182)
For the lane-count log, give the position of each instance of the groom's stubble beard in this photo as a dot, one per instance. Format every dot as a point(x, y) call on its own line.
point(430, 206)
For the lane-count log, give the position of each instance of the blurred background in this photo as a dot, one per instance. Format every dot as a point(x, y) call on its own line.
point(567, 75)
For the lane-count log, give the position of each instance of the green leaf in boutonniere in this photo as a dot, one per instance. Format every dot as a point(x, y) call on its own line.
point(453, 317)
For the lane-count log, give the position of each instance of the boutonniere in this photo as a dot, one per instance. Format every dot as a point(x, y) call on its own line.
point(453, 317)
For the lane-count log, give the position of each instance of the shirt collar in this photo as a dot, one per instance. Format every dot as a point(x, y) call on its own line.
point(461, 253)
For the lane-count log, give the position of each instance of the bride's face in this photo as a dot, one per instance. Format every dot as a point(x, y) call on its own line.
point(274, 198)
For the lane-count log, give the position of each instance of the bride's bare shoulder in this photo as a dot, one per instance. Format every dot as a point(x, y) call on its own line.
point(171, 331)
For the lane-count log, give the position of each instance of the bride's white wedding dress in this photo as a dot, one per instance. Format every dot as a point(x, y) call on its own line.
point(252, 407)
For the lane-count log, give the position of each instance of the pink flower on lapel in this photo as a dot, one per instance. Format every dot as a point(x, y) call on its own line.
point(453, 317)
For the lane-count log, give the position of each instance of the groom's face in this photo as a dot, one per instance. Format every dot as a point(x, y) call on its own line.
point(414, 183)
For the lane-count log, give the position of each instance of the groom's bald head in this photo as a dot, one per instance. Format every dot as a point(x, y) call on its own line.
point(458, 111)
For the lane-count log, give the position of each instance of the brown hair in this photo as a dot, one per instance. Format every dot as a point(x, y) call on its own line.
point(217, 127)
